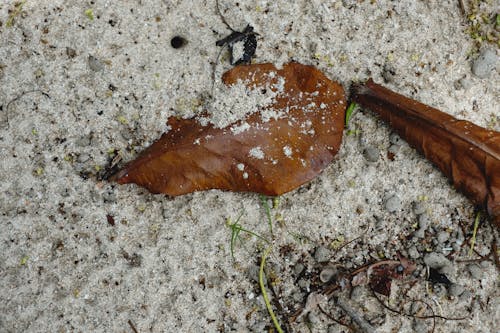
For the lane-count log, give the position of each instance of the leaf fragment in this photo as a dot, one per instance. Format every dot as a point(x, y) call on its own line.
point(467, 154)
point(292, 149)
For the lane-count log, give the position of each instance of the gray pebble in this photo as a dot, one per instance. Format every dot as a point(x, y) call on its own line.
point(82, 158)
point(475, 271)
point(393, 204)
point(439, 290)
point(455, 290)
point(84, 141)
point(393, 149)
point(357, 293)
point(485, 264)
point(298, 297)
point(304, 284)
point(327, 274)
point(466, 296)
point(413, 252)
point(485, 63)
point(395, 139)
point(420, 233)
point(109, 196)
point(419, 326)
point(313, 318)
point(253, 272)
point(442, 237)
point(299, 268)
point(465, 83)
point(389, 72)
point(423, 221)
point(95, 64)
point(371, 154)
point(439, 262)
point(418, 207)
point(322, 254)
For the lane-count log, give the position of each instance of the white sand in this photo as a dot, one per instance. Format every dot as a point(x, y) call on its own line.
point(165, 264)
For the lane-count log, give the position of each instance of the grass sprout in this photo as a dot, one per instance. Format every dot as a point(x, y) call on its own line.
point(267, 208)
point(349, 113)
point(236, 229)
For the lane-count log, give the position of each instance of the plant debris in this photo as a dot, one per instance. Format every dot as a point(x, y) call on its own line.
point(466, 153)
point(242, 44)
point(292, 148)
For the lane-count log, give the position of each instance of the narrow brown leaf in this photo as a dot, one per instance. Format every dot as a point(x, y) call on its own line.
point(466, 153)
point(292, 149)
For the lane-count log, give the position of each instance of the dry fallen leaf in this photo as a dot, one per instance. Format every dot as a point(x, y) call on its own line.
point(271, 156)
point(466, 153)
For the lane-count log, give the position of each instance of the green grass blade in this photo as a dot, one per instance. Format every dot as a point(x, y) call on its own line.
point(263, 200)
point(349, 112)
point(264, 292)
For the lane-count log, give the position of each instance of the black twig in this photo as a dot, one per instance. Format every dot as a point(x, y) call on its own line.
point(131, 324)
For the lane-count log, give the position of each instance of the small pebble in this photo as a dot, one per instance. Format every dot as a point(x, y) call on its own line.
point(395, 139)
point(298, 297)
point(465, 83)
point(439, 262)
point(82, 158)
point(253, 272)
point(327, 274)
point(413, 252)
point(95, 64)
point(485, 63)
point(423, 221)
point(83, 141)
point(475, 271)
point(420, 233)
point(442, 237)
point(388, 73)
point(393, 149)
point(304, 284)
point(313, 318)
point(419, 326)
point(455, 290)
point(322, 254)
point(439, 290)
point(299, 268)
point(393, 204)
point(371, 154)
point(418, 207)
point(71, 53)
point(466, 296)
point(357, 293)
point(109, 196)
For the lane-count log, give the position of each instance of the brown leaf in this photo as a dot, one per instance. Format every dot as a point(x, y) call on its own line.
point(468, 154)
point(191, 157)
point(382, 273)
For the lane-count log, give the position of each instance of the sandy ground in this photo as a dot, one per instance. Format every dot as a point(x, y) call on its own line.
point(80, 79)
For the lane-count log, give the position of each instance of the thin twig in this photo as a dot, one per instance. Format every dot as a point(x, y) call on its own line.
point(132, 326)
point(462, 6)
point(222, 16)
point(411, 315)
point(355, 316)
point(494, 251)
point(338, 321)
